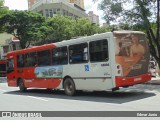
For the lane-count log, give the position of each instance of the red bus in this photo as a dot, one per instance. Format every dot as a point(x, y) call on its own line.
point(2, 68)
point(95, 63)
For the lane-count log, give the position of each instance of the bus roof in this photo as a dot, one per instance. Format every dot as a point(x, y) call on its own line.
point(74, 41)
point(34, 48)
point(83, 39)
point(128, 32)
point(94, 37)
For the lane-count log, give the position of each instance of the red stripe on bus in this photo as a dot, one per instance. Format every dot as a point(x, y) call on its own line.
point(127, 81)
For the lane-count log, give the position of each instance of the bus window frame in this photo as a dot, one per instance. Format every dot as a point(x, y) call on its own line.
point(50, 51)
point(107, 59)
point(8, 64)
point(30, 54)
point(18, 60)
point(59, 49)
point(69, 53)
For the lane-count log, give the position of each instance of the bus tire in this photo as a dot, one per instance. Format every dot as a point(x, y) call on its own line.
point(22, 87)
point(69, 87)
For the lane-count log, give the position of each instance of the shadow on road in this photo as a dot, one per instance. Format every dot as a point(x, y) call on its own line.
point(118, 97)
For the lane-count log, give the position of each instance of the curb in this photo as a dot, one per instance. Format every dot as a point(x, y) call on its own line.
point(154, 81)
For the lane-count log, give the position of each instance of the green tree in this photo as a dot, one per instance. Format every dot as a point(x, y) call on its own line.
point(104, 29)
point(61, 28)
point(65, 28)
point(144, 12)
point(83, 27)
point(24, 25)
point(3, 9)
point(40, 34)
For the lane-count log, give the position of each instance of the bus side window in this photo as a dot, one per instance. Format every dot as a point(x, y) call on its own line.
point(78, 53)
point(60, 56)
point(20, 60)
point(44, 58)
point(98, 50)
point(30, 59)
point(27, 59)
point(10, 65)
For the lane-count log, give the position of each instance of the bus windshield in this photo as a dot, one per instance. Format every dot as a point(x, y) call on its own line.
point(2, 67)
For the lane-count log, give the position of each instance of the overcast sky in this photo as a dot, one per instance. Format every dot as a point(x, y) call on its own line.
point(23, 5)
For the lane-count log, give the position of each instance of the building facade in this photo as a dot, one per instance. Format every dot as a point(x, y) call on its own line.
point(77, 2)
point(80, 3)
point(93, 17)
point(50, 8)
point(10, 43)
point(31, 2)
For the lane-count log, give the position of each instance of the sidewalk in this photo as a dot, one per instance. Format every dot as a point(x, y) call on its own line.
point(154, 81)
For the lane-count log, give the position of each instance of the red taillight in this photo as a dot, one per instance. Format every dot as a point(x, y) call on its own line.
point(119, 71)
point(118, 66)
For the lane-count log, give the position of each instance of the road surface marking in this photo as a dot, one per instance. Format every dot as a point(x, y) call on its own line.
point(38, 98)
point(3, 90)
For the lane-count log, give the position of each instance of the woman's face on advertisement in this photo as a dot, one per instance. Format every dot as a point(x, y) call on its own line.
point(134, 39)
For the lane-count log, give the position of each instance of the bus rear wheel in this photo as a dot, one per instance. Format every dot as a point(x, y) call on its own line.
point(22, 87)
point(69, 87)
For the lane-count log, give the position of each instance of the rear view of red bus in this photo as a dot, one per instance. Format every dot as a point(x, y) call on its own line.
point(132, 58)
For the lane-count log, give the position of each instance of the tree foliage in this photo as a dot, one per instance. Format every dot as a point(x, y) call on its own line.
point(83, 27)
point(31, 27)
point(62, 28)
point(3, 9)
point(65, 28)
point(142, 13)
point(104, 28)
point(24, 25)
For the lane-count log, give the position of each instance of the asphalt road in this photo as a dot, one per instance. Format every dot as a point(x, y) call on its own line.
point(137, 98)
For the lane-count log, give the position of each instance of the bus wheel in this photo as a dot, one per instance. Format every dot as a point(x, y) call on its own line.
point(22, 88)
point(69, 87)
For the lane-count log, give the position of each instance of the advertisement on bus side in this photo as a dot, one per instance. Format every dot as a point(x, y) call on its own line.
point(49, 72)
point(132, 53)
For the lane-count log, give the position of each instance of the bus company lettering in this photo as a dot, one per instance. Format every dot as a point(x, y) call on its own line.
point(137, 79)
point(105, 64)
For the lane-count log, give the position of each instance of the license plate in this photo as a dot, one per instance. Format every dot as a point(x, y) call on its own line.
point(137, 79)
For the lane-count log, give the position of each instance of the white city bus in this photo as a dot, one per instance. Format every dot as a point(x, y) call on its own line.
point(95, 63)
